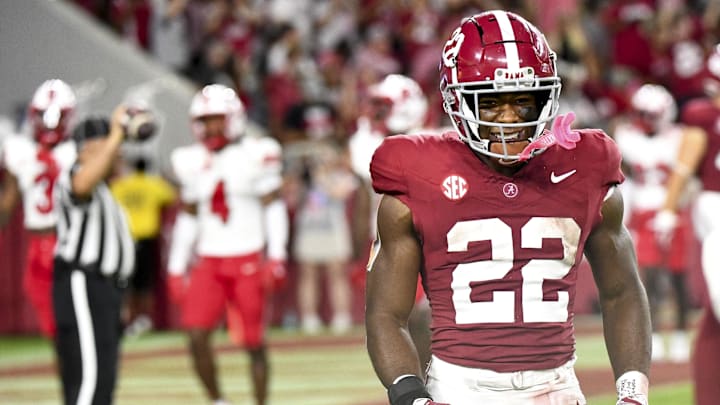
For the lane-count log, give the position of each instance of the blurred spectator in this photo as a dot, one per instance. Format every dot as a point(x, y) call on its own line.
point(335, 22)
point(169, 33)
point(131, 19)
point(376, 58)
point(322, 244)
point(680, 55)
point(143, 197)
point(629, 23)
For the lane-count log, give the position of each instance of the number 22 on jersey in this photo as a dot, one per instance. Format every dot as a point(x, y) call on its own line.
point(501, 308)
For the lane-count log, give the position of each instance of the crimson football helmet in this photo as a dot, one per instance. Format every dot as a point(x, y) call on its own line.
point(51, 112)
point(217, 99)
point(654, 107)
point(399, 101)
point(497, 52)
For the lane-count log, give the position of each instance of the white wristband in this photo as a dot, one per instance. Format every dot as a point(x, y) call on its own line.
point(632, 383)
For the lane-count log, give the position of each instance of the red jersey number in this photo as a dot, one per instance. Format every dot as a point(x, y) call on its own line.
point(45, 181)
point(219, 205)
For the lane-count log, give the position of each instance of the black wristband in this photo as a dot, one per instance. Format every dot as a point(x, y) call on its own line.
point(407, 390)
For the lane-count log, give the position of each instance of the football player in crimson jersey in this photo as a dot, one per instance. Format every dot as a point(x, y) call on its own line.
point(649, 139)
point(699, 154)
point(235, 222)
point(32, 165)
point(394, 105)
point(495, 218)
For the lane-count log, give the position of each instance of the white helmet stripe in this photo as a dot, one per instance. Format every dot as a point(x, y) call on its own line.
point(508, 37)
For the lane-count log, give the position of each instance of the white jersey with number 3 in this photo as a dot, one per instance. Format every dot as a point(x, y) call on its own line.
point(227, 187)
point(36, 173)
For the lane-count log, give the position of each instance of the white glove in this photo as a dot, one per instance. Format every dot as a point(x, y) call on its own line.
point(664, 225)
point(632, 388)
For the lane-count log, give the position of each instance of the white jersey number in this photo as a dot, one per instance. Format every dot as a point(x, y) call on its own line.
point(502, 306)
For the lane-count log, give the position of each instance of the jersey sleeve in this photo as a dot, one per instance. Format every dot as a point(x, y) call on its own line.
point(387, 168)
point(183, 165)
point(269, 163)
point(607, 157)
point(15, 151)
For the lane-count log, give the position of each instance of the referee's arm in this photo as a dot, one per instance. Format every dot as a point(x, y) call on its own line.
point(99, 158)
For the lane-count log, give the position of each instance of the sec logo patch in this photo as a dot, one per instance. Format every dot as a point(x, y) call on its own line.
point(454, 187)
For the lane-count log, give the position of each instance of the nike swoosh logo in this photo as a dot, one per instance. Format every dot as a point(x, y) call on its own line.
point(557, 179)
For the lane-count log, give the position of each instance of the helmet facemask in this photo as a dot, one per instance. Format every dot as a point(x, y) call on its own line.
point(466, 116)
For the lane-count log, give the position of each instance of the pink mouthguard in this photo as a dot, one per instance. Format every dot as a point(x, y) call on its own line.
point(561, 134)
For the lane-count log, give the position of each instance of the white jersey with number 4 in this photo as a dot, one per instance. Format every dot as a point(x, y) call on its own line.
point(227, 187)
point(36, 173)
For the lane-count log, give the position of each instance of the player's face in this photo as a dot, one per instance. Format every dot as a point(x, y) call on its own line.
point(214, 125)
point(507, 108)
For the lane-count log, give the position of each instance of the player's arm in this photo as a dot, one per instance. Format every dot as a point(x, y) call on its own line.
point(9, 197)
point(97, 165)
point(690, 153)
point(625, 310)
point(277, 228)
point(276, 224)
point(183, 238)
point(360, 221)
point(390, 294)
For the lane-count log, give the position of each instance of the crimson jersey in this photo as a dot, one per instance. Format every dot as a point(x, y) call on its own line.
point(500, 253)
point(703, 113)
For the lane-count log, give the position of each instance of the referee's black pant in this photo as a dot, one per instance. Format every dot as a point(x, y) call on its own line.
point(87, 312)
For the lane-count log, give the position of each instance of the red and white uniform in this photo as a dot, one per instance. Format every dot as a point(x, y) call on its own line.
point(36, 170)
point(227, 186)
point(652, 159)
point(500, 281)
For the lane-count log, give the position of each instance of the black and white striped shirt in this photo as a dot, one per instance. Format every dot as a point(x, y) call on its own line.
point(92, 235)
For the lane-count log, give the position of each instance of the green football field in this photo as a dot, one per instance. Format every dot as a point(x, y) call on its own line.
point(318, 370)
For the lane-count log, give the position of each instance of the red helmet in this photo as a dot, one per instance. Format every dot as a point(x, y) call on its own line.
point(496, 52)
point(217, 99)
point(51, 112)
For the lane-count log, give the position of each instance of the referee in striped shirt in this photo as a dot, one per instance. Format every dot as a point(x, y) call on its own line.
point(94, 257)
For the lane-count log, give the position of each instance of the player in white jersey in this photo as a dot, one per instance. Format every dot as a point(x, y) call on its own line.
point(32, 164)
point(395, 105)
point(649, 144)
point(234, 221)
